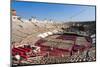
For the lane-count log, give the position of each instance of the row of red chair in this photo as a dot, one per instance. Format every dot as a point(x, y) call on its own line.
point(21, 53)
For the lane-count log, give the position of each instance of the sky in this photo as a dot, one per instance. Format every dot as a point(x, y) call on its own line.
point(56, 12)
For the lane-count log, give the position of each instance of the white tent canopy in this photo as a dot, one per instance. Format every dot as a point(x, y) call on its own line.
point(43, 35)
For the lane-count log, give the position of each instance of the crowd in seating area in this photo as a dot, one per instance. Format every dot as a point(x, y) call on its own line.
point(71, 59)
point(60, 59)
